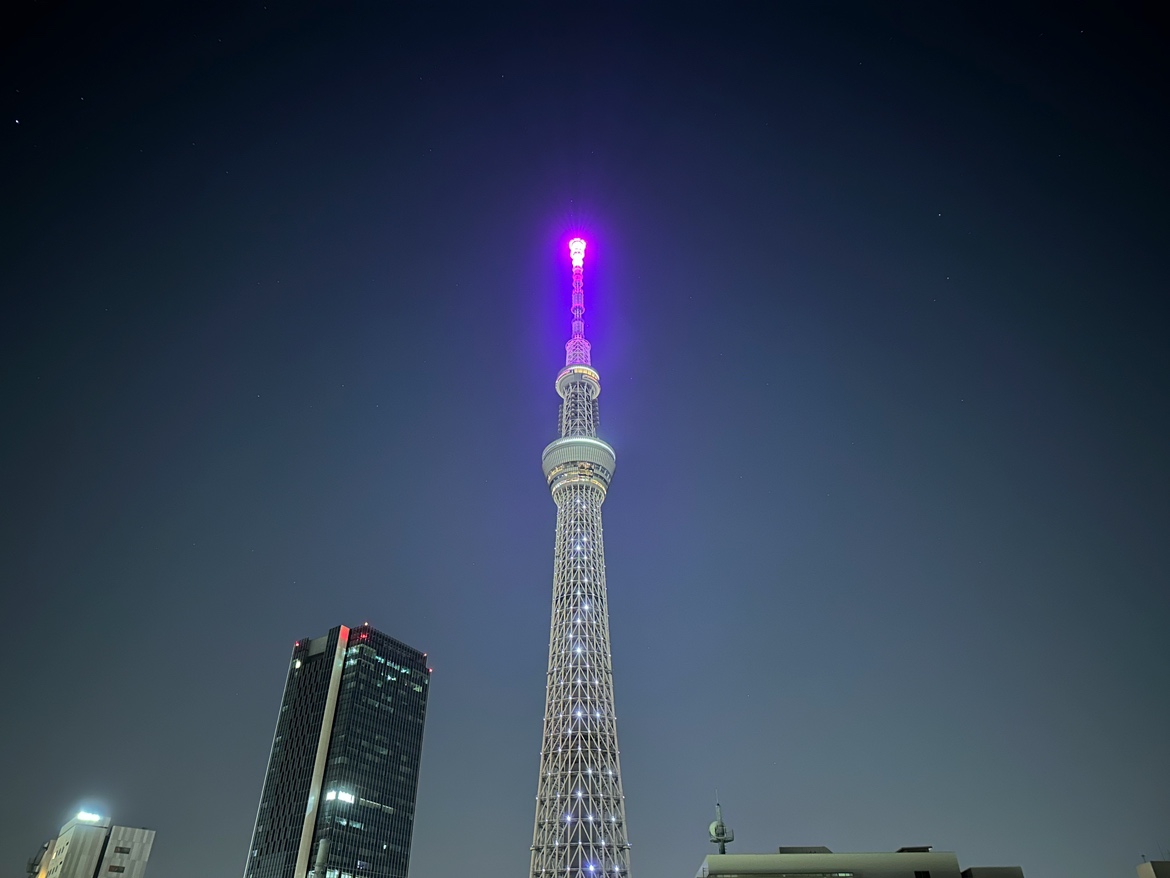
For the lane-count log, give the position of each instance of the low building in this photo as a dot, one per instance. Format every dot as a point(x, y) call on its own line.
point(89, 846)
point(820, 862)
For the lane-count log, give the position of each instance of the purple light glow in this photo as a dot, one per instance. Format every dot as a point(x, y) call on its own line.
point(577, 348)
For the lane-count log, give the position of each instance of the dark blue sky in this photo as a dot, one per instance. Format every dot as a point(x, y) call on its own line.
point(878, 301)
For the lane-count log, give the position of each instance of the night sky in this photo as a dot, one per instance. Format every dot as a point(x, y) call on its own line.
point(878, 302)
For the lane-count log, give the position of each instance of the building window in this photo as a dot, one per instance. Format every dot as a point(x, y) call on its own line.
point(121, 850)
point(117, 868)
point(921, 874)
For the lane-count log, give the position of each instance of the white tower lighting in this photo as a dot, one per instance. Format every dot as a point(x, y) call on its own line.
point(580, 829)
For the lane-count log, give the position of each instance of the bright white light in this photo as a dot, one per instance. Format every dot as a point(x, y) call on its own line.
point(331, 795)
point(343, 797)
point(577, 252)
point(88, 817)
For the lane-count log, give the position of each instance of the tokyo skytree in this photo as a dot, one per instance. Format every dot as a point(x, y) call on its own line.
point(580, 829)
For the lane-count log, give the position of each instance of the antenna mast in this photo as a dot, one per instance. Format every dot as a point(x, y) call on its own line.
point(577, 348)
point(720, 833)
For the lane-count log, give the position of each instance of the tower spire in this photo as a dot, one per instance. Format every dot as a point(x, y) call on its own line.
point(577, 347)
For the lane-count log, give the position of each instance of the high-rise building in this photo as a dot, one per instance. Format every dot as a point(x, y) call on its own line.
point(338, 798)
point(580, 829)
point(89, 846)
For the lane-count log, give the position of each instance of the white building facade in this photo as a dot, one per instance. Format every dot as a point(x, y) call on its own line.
point(89, 846)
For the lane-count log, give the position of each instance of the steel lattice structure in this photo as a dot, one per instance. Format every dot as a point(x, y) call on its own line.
point(580, 829)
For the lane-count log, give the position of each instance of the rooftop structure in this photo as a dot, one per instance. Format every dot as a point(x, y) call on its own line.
point(819, 862)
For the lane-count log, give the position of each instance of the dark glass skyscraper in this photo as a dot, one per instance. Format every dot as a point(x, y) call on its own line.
point(338, 799)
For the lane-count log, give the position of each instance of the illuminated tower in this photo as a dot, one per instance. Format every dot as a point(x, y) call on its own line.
point(580, 829)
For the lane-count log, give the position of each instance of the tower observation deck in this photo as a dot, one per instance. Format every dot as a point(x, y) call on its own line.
point(580, 829)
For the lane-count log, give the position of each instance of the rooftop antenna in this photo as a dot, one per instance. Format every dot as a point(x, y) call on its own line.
point(720, 834)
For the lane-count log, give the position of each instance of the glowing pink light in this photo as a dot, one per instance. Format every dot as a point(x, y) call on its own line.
point(577, 252)
point(577, 348)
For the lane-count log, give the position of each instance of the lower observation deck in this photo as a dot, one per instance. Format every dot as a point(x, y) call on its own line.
point(576, 459)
